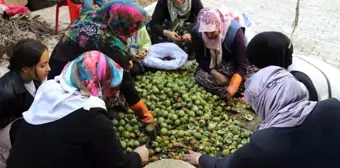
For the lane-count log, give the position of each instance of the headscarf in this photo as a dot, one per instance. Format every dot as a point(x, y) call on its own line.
point(270, 48)
point(278, 98)
point(83, 83)
point(181, 12)
point(109, 25)
point(211, 20)
point(124, 17)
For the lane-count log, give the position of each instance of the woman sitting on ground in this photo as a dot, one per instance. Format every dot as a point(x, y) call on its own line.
point(274, 48)
point(139, 44)
point(295, 132)
point(173, 20)
point(67, 125)
point(28, 67)
point(106, 30)
point(219, 45)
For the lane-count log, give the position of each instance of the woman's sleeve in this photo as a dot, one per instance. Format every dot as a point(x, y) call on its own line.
point(158, 17)
point(196, 7)
point(116, 55)
point(145, 39)
point(105, 146)
point(128, 89)
point(198, 48)
point(247, 156)
point(4, 104)
point(239, 51)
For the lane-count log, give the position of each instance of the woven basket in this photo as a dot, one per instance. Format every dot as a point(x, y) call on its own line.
point(169, 163)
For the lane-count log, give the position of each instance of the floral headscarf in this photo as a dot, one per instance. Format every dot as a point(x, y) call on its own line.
point(93, 74)
point(124, 17)
point(83, 84)
point(109, 25)
point(211, 20)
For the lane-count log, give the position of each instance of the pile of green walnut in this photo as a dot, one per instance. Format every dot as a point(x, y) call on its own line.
point(189, 118)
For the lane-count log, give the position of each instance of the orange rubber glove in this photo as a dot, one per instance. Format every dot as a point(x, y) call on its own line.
point(142, 112)
point(234, 84)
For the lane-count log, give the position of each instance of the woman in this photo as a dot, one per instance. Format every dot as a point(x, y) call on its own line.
point(173, 20)
point(139, 44)
point(67, 125)
point(106, 29)
point(28, 67)
point(295, 132)
point(274, 48)
point(219, 45)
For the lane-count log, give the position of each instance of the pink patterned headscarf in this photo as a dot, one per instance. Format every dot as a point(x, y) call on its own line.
point(211, 20)
point(93, 74)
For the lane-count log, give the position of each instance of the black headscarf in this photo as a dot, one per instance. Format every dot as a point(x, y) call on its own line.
point(270, 48)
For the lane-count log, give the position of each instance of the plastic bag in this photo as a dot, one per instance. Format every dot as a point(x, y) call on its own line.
point(162, 50)
point(3, 8)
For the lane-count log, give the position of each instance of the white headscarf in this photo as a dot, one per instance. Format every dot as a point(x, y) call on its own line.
point(277, 98)
point(53, 102)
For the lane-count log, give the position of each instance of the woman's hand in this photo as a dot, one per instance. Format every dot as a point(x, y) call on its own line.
point(143, 153)
point(192, 158)
point(231, 92)
point(173, 35)
point(234, 84)
point(219, 78)
point(187, 37)
point(242, 99)
point(131, 64)
point(142, 53)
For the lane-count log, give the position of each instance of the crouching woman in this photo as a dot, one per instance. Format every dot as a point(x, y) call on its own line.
point(220, 46)
point(67, 125)
point(295, 132)
point(28, 67)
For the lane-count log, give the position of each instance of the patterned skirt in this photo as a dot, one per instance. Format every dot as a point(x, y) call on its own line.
point(186, 28)
point(227, 68)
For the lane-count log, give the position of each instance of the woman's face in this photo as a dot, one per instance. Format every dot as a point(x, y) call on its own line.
point(212, 35)
point(178, 2)
point(42, 68)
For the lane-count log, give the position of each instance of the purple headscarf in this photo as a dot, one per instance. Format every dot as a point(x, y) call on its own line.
point(277, 98)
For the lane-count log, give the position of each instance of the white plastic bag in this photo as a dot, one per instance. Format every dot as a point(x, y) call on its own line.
point(162, 50)
point(3, 8)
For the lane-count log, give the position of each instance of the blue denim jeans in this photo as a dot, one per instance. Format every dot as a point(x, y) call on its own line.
point(88, 4)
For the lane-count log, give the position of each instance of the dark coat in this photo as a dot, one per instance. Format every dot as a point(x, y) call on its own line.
point(14, 98)
point(313, 144)
point(82, 139)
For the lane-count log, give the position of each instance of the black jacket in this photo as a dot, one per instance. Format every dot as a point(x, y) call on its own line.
point(82, 139)
point(14, 98)
point(313, 144)
point(161, 13)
